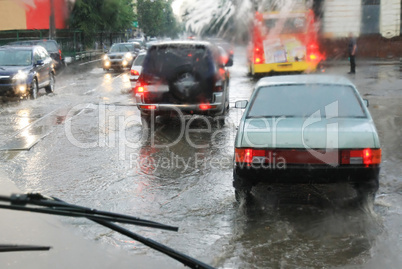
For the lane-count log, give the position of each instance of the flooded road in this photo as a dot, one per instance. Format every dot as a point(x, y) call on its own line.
point(85, 145)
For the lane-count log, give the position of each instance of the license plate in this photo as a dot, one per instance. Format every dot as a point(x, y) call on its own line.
point(157, 88)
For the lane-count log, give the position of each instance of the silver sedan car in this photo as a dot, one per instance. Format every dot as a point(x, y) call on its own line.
point(306, 129)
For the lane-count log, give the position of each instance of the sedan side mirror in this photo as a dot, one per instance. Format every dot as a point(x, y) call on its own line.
point(366, 102)
point(241, 104)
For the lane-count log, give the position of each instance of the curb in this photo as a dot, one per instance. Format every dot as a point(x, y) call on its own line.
point(361, 63)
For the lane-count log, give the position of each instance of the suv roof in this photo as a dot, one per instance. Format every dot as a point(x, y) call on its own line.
point(183, 43)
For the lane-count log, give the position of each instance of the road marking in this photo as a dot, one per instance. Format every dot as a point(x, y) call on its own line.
point(90, 62)
point(94, 89)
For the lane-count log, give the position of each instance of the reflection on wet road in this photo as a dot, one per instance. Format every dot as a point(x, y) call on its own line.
point(85, 144)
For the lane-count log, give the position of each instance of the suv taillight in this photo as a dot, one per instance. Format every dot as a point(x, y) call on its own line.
point(140, 87)
point(134, 72)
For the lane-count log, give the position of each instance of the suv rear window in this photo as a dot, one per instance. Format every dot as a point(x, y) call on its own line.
point(165, 61)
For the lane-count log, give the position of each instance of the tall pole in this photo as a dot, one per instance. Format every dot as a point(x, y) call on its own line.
point(52, 24)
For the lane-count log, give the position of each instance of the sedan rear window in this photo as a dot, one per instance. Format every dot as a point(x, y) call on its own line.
point(305, 100)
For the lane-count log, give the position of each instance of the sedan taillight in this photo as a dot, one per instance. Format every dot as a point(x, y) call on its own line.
point(243, 155)
point(366, 156)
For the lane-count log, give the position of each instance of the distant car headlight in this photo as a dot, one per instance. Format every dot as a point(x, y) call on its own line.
point(21, 75)
point(105, 57)
point(128, 56)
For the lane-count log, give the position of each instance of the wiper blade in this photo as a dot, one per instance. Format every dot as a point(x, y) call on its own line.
point(59, 207)
point(13, 248)
point(53, 206)
point(183, 258)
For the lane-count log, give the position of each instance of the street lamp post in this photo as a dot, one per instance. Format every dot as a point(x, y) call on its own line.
point(52, 25)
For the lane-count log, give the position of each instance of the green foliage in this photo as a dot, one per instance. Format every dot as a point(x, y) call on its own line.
point(91, 16)
point(156, 18)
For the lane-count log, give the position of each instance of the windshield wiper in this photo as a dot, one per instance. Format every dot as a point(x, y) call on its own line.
point(35, 202)
point(50, 205)
point(13, 248)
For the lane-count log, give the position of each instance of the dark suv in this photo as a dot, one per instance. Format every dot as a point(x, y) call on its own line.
point(25, 69)
point(50, 45)
point(186, 77)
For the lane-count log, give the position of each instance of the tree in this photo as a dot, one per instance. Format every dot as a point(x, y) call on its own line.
point(92, 16)
point(156, 18)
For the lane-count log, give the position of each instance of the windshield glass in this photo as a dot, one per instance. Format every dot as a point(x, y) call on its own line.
point(49, 46)
point(287, 25)
point(304, 101)
point(122, 48)
point(15, 57)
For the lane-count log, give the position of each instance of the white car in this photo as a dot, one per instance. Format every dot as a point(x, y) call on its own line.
point(306, 129)
point(136, 68)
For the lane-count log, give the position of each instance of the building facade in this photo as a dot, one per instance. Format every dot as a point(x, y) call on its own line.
point(361, 17)
point(32, 14)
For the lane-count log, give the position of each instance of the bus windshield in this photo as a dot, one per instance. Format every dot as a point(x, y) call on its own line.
point(293, 25)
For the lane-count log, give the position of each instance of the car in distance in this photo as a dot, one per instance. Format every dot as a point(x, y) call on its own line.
point(51, 46)
point(139, 40)
point(120, 55)
point(136, 68)
point(187, 77)
point(306, 129)
point(24, 70)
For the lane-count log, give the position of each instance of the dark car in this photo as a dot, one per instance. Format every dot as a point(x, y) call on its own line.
point(187, 77)
point(24, 70)
point(121, 55)
point(51, 46)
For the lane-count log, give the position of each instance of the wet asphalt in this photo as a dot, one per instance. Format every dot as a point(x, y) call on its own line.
point(85, 144)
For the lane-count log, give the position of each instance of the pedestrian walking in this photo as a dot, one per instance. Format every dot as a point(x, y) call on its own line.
point(352, 47)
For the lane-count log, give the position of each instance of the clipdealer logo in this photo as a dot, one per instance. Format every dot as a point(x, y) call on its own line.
point(112, 130)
